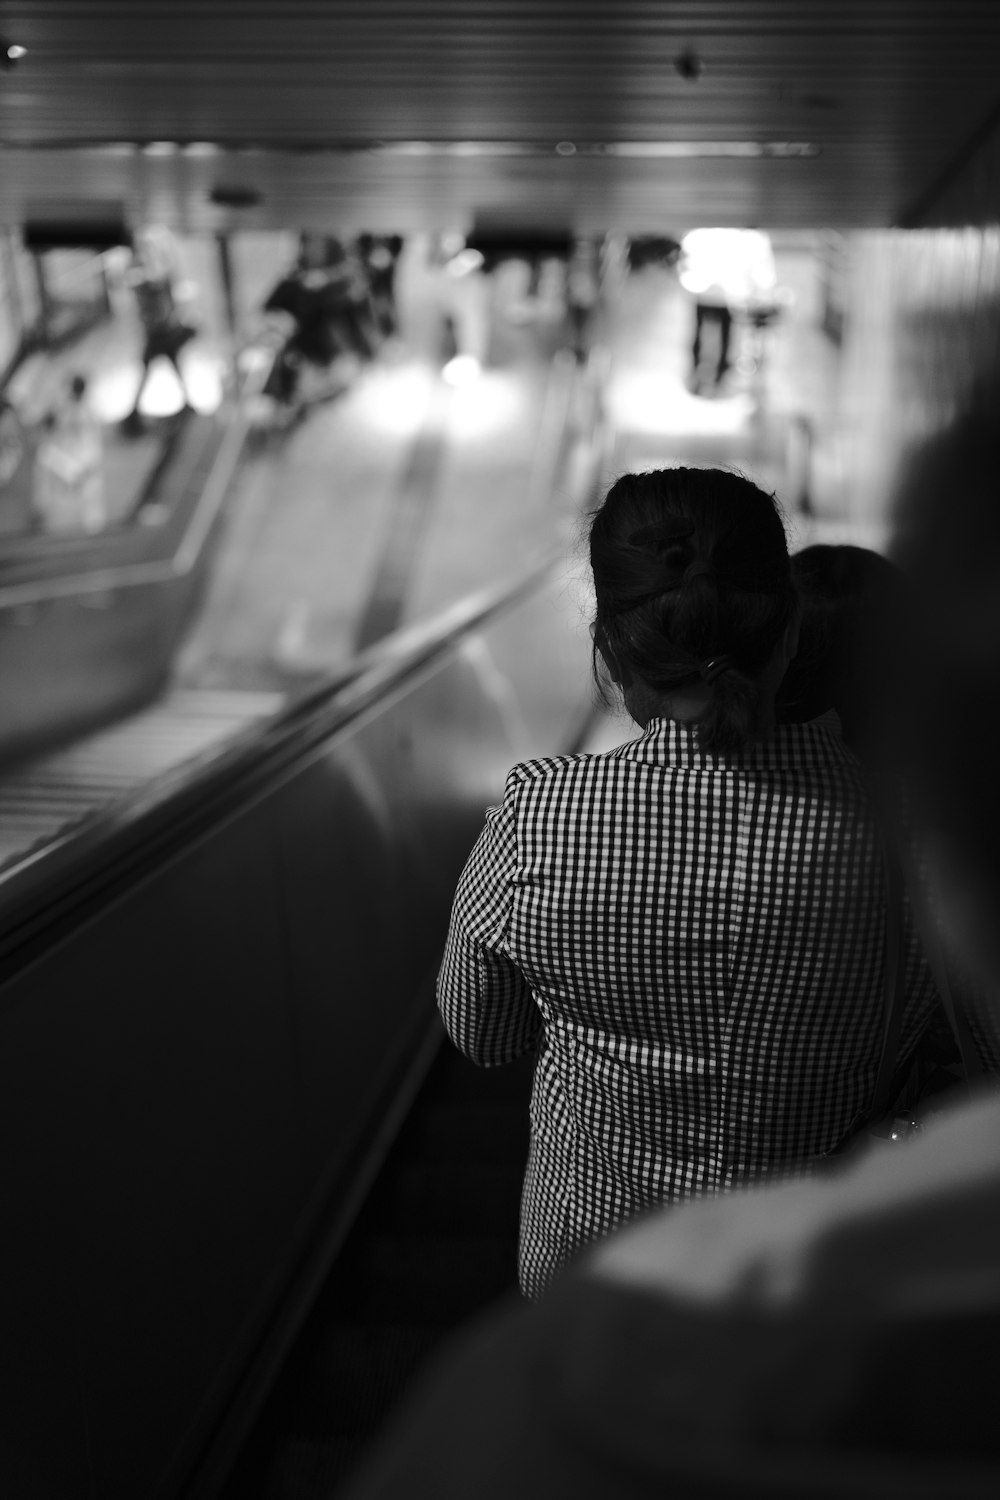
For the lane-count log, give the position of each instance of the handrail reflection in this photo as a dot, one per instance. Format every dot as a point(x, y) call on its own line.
point(265, 749)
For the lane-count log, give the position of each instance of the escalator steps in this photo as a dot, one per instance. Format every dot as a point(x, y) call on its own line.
point(434, 1245)
point(427, 1280)
point(421, 1198)
point(489, 1134)
point(354, 1378)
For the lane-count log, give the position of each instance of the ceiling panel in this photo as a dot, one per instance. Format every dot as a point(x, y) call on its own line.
point(301, 100)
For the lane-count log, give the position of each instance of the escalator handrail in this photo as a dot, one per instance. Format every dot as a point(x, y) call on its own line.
point(65, 878)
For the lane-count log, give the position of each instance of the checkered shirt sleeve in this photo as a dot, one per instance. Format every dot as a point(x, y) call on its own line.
point(484, 998)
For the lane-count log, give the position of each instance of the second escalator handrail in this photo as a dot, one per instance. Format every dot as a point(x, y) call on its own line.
point(87, 862)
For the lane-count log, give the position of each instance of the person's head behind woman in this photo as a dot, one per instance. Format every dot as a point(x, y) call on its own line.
point(696, 607)
point(947, 541)
point(855, 620)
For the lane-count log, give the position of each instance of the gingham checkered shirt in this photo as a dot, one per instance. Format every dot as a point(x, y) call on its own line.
point(695, 946)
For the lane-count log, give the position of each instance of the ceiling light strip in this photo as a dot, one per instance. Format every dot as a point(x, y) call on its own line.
point(614, 150)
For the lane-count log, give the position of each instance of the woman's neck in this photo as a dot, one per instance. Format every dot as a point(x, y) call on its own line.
point(691, 703)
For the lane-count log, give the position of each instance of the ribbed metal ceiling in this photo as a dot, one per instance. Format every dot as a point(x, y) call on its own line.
point(303, 96)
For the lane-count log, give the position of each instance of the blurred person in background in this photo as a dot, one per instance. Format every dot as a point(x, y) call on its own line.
point(158, 289)
point(583, 288)
point(833, 1338)
point(379, 255)
point(69, 468)
point(82, 437)
point(725, 271)
point(329, 327)
point(345, 298)
point(854, 634)
point(302, 330)
point(53, 497)
point(947, 540)
point(857, 634)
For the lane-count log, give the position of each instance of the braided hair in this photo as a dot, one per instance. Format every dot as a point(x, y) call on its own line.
point(693, 585)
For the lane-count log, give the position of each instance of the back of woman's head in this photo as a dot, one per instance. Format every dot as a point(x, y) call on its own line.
point(693, 585)
point(854, 619)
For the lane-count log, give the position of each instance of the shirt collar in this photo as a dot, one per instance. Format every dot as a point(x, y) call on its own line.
point(674, 743)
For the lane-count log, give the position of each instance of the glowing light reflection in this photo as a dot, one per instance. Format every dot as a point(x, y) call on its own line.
point(463, 263)
point(462, 370)
point(651, 403)
point(394, 401)
point(484, 408)
point(112, 392)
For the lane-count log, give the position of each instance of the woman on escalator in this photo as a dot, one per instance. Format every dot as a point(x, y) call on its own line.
point(688, 930)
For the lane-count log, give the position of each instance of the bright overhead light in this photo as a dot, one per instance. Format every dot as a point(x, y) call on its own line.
point(681, 150)
point(16, 52)
point(639, 150)
point(453, 148)
point(619, 150)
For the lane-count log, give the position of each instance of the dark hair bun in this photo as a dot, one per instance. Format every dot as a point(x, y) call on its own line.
point(691, 568)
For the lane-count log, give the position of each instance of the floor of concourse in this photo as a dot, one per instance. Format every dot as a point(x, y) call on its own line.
point(385, 503)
